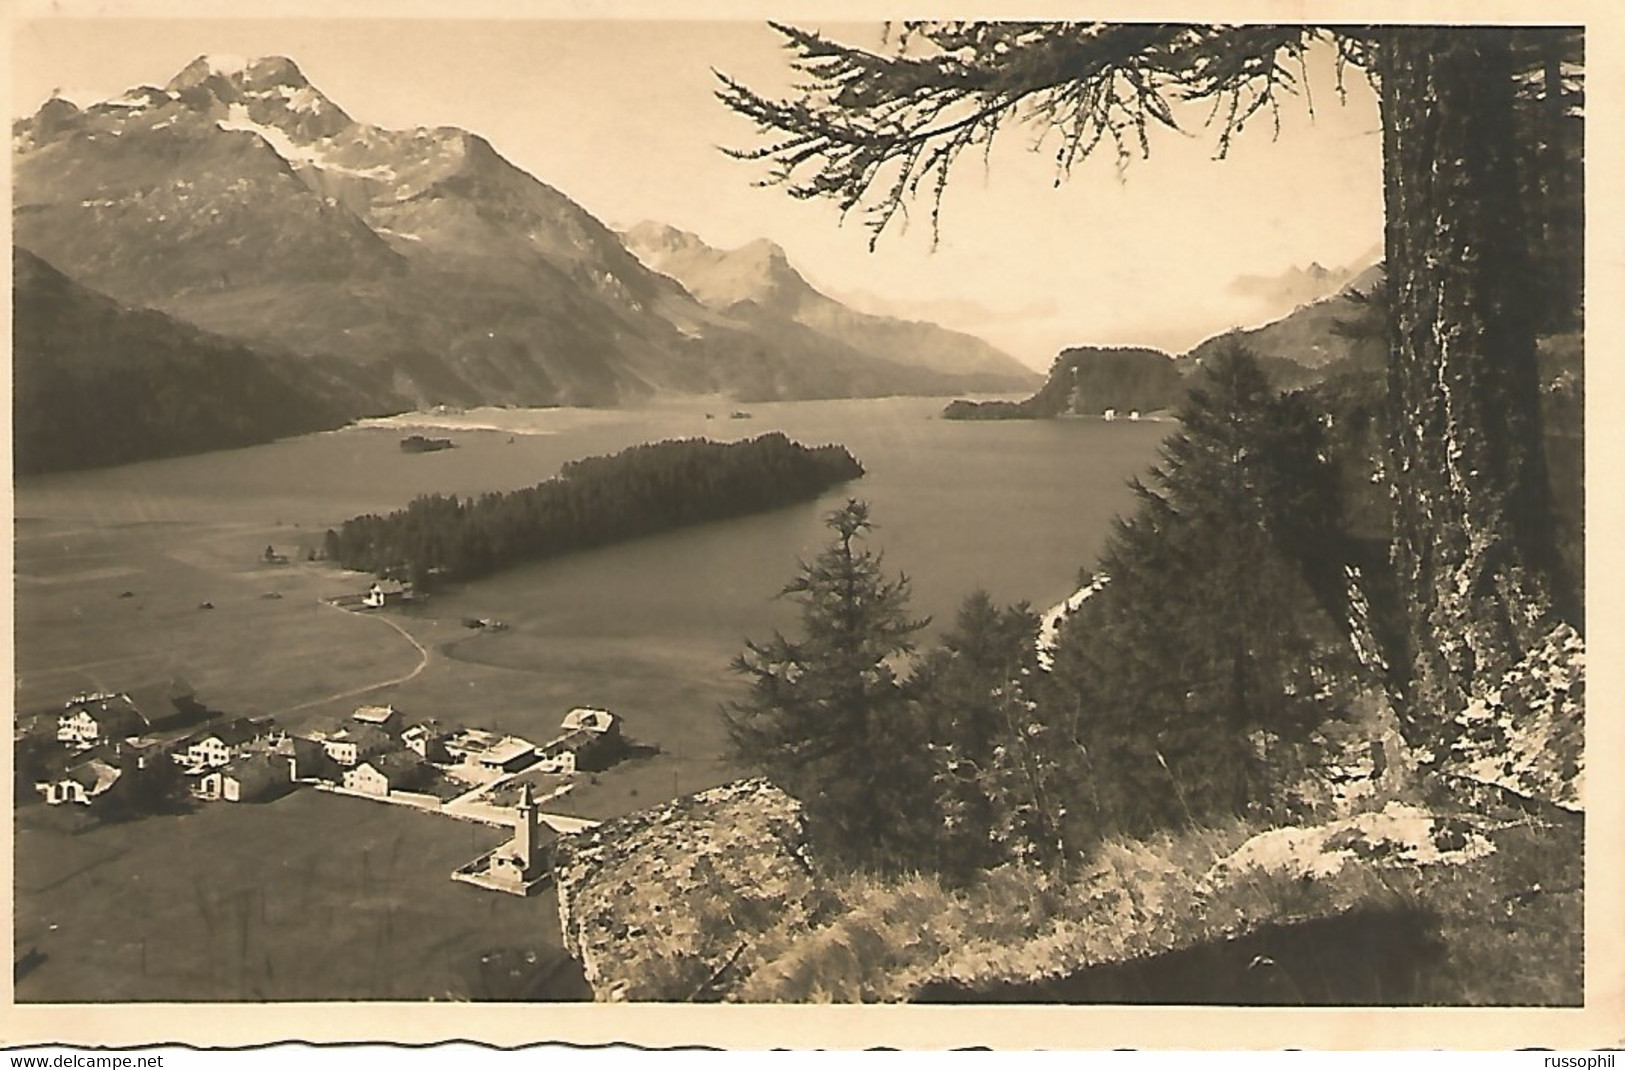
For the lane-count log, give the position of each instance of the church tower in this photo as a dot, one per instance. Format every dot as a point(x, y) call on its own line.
point(525, 833)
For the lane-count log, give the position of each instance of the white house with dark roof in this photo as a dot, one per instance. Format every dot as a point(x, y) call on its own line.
point(396, 771)
point(306, 758)
point(82, 784)
point(588, 735)
point(214, 747)
point(428, 741)
point(244, 780)
point(355, 744)
point(384, 592)
point(87, 720)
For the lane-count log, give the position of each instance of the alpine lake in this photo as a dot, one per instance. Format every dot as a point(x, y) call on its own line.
point(158, 570)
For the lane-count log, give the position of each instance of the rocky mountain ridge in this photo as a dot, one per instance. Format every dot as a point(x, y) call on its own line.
point(239, 198)
point(759, 277)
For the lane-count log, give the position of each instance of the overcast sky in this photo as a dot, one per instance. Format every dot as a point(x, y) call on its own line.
point(621, 117)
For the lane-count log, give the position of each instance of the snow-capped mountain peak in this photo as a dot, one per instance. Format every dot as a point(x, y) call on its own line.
point(256, 75)
point(241, 199)
point(272, 89)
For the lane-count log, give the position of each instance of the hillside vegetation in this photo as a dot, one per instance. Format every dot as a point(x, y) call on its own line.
point(95, 383)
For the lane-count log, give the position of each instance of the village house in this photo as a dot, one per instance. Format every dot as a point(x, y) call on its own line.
point(384, 593)
point(386, 719)
point(585, 718)
point(489, 752)
point(428, 741)
point(214, 747)
point(248, 779)
point(561, 756)
point(87, 720)
point(306, 759)
point(82, 784)
point(587, 741)
point(93, 773)
point(509, 755)
point(395, 771)
point(354, 744)
point(133, 754)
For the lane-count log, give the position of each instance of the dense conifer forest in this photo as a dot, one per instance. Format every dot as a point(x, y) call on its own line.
point(592, 502)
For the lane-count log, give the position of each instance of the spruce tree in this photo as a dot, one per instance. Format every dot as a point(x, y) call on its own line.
point(1472, 539)
point(997, 777)
point(1208, 644)
point(827, 719)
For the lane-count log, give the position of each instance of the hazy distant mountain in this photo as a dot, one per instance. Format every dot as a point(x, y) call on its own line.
point(1278, 295)
point(1295, 286)
point(95, 383)
point(760, 275)
point(239, 198)
point(1306, 338)
point(944, 310)
point(1299, 349)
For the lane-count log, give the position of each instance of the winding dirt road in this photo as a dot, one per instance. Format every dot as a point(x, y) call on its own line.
point(423, 663)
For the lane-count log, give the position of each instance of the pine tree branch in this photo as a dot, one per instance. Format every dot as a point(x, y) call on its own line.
point(873, 132)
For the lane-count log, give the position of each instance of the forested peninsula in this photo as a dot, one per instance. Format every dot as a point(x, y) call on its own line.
point(592, 502)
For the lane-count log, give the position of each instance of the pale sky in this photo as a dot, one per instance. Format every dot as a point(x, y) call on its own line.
point(620, 116)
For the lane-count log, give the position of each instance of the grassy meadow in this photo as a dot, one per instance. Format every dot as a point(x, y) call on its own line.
point(310, 897)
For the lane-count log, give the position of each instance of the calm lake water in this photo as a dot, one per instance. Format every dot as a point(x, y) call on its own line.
point(1012, 507)
point(645, 628)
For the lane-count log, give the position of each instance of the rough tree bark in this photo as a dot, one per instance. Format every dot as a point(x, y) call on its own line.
point(1472, 521)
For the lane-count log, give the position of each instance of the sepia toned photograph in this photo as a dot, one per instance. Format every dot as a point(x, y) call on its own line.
point(778, 510)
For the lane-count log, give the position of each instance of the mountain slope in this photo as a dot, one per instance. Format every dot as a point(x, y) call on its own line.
point(1300, 349)
point(760, 274)
point(239, 198)
point(95, 383)
point(244, 201)
point(1308, 337)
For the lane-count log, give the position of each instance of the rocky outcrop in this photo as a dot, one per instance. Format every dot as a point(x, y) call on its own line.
point(1396, 835)
point(1527, 734)
point(666, 904)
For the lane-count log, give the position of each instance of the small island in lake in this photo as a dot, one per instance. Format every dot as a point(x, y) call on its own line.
point(592, 502)
point(420, 444)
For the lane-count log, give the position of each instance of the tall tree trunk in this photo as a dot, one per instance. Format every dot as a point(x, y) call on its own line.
point(1472, 539)
point(1553, 170)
